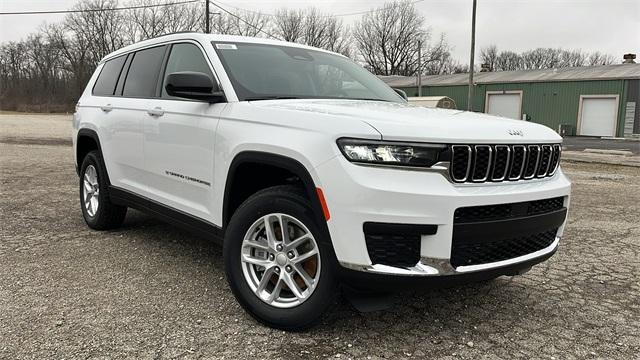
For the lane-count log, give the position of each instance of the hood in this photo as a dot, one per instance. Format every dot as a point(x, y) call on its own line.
point(405, 122)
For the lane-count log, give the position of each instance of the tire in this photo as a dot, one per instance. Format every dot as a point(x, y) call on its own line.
point(105, 215)
point(280, 204)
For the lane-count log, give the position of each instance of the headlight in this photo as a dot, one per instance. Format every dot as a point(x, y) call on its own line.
point(391, 153)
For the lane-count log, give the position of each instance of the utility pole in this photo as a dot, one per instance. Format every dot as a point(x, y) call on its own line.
point(472, 61)
point(207, 28)
point(419, 67)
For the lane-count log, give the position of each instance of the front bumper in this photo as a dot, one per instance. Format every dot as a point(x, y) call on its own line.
point(358, 194)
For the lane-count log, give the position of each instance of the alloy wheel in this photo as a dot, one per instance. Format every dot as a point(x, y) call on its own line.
point(90, 190)
point(280, 260)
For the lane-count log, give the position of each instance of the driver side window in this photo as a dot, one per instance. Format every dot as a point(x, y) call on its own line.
point(185, 57)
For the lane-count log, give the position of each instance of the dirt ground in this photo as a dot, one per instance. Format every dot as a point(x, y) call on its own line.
point(150, 290)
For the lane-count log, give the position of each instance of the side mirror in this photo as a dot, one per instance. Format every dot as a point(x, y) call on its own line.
point(193, 85)
point(401, 93)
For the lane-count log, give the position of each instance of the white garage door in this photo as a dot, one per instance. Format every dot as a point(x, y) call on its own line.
point(505, 105)
point(598, 116)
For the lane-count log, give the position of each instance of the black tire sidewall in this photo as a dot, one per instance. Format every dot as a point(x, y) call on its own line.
point(98, 220)
point(295, 318)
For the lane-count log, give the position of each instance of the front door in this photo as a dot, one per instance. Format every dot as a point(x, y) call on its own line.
point(179, 139)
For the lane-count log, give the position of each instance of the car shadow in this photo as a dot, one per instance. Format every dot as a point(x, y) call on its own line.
point(456, 308)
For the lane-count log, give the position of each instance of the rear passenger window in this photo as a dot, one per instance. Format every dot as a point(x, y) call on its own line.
point(106, 82)
point(142, 77)
point(185, 57)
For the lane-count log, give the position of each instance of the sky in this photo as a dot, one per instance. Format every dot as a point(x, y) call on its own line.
point(610, 26)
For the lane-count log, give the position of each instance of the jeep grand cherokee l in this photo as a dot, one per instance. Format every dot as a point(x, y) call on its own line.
point(311, 171)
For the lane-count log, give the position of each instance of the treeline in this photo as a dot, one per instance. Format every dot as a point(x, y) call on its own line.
point(48, 70)
point(541, 58)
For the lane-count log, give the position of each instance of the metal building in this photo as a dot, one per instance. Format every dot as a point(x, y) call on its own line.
point(590, 101)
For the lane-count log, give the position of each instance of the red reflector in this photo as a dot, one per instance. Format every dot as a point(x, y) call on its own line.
point(323, 203)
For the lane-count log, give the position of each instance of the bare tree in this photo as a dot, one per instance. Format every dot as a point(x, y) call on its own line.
point(489, 56)
point(103, 31)
point(541, 58)
point(74, 51)
point(437, 59)
point(388, 39)
point(508, 61)
point(288, 24)
point(572, 58)
point(548, 58)
point(153, 20)
point(249, 23)
point(337, 36)
point(222, 24)
point(312, 27)
point(245, 23)
point(598, 58)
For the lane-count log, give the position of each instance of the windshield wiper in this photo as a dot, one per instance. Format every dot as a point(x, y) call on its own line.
point(270, 97)
point(367, 99)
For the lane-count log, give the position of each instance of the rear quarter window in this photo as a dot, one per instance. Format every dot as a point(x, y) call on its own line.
point(106, 82)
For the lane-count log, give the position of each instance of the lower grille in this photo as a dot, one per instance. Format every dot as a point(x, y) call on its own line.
point(545, 206)
point(395, 244)
point(504, 211)
point(490, 233)
point(491, 251)
point(393, 250)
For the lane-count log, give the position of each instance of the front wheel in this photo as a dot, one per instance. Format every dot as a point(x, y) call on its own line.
point(97, 209)
point(277, 263)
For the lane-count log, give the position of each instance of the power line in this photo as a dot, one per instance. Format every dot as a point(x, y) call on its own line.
point(243, 20)
point(97, 10)
point(326, 15)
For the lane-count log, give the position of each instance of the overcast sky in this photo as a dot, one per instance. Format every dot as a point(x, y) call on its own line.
point(611, 26)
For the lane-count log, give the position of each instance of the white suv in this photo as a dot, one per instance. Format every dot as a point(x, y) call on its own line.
point(312, 172)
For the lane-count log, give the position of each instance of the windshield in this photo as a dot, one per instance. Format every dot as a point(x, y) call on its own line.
point(261, 72)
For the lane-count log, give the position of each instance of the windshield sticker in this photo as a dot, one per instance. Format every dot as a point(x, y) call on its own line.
point(226, 47)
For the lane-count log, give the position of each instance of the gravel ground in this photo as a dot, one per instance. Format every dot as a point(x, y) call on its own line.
point(150, 290)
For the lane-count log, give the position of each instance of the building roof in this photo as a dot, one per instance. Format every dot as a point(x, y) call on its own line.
point(584, 73)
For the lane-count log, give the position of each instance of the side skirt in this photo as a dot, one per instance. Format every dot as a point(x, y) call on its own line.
point(173, 216)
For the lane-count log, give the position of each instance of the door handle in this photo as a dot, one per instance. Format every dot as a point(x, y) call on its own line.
point(106, 108)
point(156, 111)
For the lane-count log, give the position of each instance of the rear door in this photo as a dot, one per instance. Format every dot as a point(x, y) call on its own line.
point(120, 138)
point(179, 139)
point(128, 109)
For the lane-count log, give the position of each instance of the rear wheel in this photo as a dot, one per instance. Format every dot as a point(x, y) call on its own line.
point(97, 209)
point(278, 265)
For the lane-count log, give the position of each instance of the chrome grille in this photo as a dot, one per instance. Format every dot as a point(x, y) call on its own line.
point(460, 162)
point(533, 159)
point(481, 163)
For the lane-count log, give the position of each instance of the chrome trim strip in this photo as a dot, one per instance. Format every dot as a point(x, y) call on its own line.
point(524, 162)
point(506, 168)
point(557, 147)
point(439, 267)
point(453, 150)
point(533, 255)
point(546, 171)
point(535, 168)
point(486, 175)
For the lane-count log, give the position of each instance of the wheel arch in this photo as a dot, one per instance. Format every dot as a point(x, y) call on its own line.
point(286, 163)
point(86, 141)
